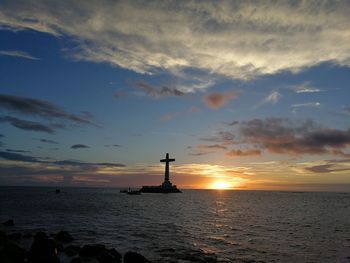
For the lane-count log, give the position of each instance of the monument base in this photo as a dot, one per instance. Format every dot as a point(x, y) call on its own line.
point(160, 189)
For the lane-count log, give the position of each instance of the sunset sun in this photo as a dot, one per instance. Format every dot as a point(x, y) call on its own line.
point(221, 185)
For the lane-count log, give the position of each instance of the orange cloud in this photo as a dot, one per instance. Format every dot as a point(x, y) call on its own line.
point(238, 153)
point(216, 100)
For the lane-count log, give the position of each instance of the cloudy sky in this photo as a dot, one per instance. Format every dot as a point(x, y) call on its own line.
point(243, 94)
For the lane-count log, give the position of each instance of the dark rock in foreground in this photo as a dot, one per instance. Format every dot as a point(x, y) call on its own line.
point(43, 250)
point(72, 250)
point(133, 257)
point(9, 222)
point(64, 237)
point(12, 253)
point(101, 253)
point(14, 236)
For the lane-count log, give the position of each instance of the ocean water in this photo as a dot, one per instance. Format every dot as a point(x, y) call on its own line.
point(195, 226)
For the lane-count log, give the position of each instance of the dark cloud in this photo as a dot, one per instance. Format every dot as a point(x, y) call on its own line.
point(48, 141)
point(18, 157)
point(232, 123)
point(217, 100)
point(282, 136)
point(2, 136)
point(42, 108)
point(79, 146)
point(326, 168)
point(203, 149)
point(240, 153)
point(224, 137)
point(11, 156)
point(28, 125)
point(17, 151)
point(158, 92)
point(285, 136)
point(113, 145)
point(78, 163)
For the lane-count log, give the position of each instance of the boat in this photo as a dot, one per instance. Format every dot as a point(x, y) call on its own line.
point(130, 191)
point(133, 192)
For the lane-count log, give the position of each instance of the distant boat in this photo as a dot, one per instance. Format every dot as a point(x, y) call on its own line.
point(133, 192)
point(130, 191)
point(58, 191)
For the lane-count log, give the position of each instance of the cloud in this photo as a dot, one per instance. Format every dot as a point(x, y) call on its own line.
point(113, 145)
point(289, 137)
point(17, 157)
point(330, 166)
point(281, 136)
point(84, 164)
point(232, 123)
point(48, 141)
point(238, 39)
point(240, 153)
point(17, 151)
point(79, 146)
point(308, 104)
point(203, 149)
point(168, 116)
point(273, 97)
point(26, 158)
point(305, 87)
point(217, 100)
point(17, 53)
point(222, 137)
point(2, 136)
point(28, 125)
point(35, 107)
point(158, 92)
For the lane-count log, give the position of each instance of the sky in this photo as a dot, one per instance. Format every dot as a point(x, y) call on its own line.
point(243, 94)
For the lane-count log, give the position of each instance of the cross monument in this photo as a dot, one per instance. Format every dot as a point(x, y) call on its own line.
point(167, 160)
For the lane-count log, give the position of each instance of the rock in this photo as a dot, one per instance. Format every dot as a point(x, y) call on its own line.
point(133, 257)
point(9, 222)
point(115, 254)
point(64, 237)
point(27, 235)
point(106, 257)
point(91, 251)
point(101, 253)
point(43, 250)
point(14, 236)
point(3, 238)
point(12, 253)
point(72, 250)
point(40, 235)
point(76, 260)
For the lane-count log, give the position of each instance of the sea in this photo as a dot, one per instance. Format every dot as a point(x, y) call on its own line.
point(194, 226)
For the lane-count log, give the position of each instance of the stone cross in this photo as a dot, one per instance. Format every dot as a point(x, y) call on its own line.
point(167, 161)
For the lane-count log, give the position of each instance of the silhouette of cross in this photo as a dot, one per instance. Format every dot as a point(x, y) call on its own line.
point(167, 160)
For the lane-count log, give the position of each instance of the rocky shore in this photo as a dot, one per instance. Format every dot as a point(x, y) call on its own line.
point(57, 248)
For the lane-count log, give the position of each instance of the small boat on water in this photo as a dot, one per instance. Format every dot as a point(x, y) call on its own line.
point(133, 192)
point(130, 191)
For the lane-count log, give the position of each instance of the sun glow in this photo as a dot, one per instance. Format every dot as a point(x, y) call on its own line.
point(221, 185)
